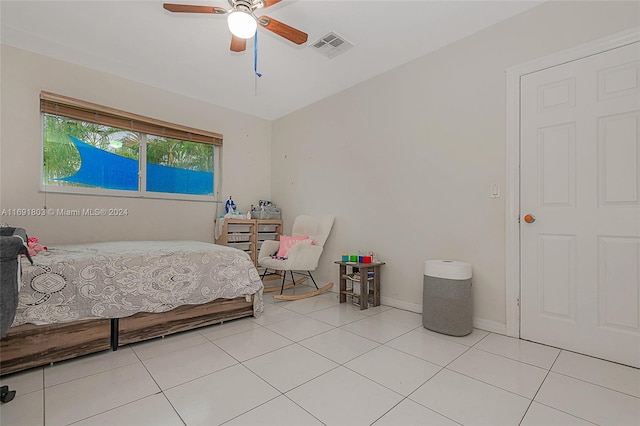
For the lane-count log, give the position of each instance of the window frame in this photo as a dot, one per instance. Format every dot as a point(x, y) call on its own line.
point(67, 107)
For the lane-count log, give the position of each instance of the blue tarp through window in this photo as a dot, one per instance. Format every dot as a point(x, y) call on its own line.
point(103, 169)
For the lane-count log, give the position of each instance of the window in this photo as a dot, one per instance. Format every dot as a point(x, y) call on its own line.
point(91, 149)
point(179, 167)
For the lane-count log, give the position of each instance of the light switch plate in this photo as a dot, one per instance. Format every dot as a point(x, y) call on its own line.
point(495, 190)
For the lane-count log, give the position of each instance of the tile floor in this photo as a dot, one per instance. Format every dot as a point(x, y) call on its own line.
point(314, 362)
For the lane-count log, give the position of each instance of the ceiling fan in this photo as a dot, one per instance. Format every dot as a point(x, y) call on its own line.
point(243, 22)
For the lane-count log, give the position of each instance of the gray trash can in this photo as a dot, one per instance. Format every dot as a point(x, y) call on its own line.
point(447, 305)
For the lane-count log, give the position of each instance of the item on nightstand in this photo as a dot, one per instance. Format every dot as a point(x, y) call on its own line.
point(235, 215)
point(266, 210)
point(230, 205)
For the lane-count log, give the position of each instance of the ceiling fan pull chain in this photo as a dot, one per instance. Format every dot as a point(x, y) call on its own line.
point(255, 64)
point(255, 55)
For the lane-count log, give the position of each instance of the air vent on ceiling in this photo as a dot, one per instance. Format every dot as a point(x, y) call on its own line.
point(331, 45)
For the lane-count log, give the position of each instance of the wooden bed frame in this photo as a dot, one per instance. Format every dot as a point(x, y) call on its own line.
point(30, 346)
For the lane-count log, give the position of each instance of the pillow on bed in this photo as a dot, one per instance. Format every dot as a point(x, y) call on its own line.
point(287, 242)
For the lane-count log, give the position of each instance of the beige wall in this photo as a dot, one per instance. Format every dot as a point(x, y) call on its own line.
point(245, 154)
point(406, 160)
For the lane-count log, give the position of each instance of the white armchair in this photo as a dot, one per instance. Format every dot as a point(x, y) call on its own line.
point(301, 257)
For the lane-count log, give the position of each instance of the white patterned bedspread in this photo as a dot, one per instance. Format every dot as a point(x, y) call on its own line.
point(119, 279)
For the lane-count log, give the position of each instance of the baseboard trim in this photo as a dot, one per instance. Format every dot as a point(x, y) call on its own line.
point(489, 325)
point(394, 303)
point(481, 323)
point(401, 304)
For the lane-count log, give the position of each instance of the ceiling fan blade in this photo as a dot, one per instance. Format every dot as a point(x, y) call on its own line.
point(238, 44)
point(268, 3)
point(283, 30)
point(186, 8)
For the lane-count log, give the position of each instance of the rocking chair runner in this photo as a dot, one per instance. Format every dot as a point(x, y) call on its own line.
point(301, 257)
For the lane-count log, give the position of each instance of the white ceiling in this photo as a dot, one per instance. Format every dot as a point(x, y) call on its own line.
point(189, 53)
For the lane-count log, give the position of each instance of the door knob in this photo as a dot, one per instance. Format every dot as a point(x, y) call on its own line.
point(529, 218)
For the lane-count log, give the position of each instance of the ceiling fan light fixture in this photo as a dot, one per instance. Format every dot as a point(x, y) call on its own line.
point(242, 24)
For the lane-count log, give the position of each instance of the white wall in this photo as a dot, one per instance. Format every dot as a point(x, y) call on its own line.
point(246, 154)
point(406, 160)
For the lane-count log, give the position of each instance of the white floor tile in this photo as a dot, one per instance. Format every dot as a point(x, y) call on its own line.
point(273, 314)
point(219, 397)
point(338, 315)
point(520, 350)
point(378, 329)
point(608, 374)
point(409, 413)
point(342, 397)
point(433, 349)
point(270, 281)
point(400, 316)
point(289, 367)
point(470, 339)
point(277, 412)
point(372, 310)
point(82, 398)
point(268, 298)
point(293, 291)
point(228, 328)
point(252, 343)
point(588, 401)
point(162, 346)
point(396, 370)
point(302, 306)
point(514, 376)
point(313, 304)
point(179, 367)
point(153, 410)
point(469, 401)
point(24, 410)
point(356, 370)
point(541, 415)
point(300, 329)
point(25, 382)
point(87, 365)
point(339, 345)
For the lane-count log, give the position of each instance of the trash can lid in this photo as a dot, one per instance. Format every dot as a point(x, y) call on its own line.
point(449, 269)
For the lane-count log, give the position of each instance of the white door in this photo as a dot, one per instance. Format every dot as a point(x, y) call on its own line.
point(580, 178)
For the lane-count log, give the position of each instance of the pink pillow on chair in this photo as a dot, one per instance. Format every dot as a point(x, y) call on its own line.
point(287, 242)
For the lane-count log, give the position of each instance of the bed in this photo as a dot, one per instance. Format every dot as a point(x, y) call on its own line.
point(80, 299)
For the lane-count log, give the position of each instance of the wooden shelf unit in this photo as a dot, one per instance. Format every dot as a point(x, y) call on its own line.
point(248, 234)
point(369, 286)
